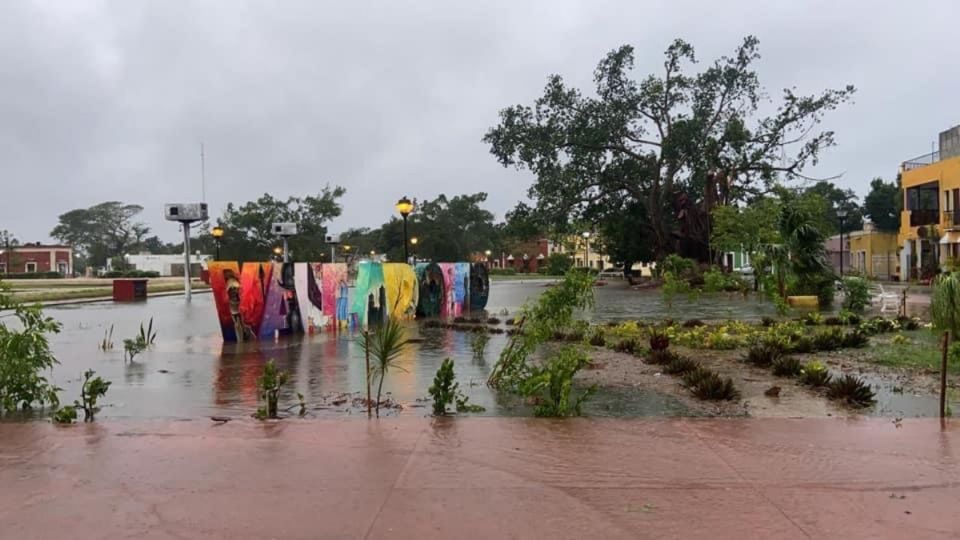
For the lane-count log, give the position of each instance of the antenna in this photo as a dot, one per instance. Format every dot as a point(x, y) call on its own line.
point(203, 176)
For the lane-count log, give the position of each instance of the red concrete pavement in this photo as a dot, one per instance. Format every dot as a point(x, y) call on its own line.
point(482, 478)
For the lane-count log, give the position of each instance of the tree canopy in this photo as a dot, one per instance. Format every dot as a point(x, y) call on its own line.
point(676, 144)
point(101, 232)
point(883, 204)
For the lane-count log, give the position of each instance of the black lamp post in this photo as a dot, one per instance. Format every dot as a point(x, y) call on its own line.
point(405, 206)
point(842, 215)
point(217, 233)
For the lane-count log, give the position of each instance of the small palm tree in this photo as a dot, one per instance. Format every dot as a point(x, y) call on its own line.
point(384, 345)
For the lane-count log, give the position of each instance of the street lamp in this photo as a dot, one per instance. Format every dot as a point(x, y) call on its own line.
point(405, 206)
point(586, 249)
point(278, 251)
point(413, 242)
point(842, 215)
point(217, 233)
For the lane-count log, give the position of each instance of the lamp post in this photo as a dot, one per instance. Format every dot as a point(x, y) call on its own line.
point(586, 249)
point(413, 242)
point(217, 233)
point(405, 206)
point(842, 215)
point(346, 256)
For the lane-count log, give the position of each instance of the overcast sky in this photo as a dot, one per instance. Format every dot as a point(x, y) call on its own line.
point(111, 100)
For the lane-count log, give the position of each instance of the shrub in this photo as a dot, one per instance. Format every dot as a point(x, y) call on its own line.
point(813, 318)
point(908, 323)
point(787, 366)
point(92, 390)
point(764, 353)
point(478, 344)
point(767, 322)
point(25, 356)
point(829, 340)
point(851, 389)
point(833, 321)
point(558, 264)
point(268, 389)
point(857, 294)
point(815, 374)
point(597, 339)
point(628, 345)
point(662, 357)
point(33, 275)
point(444, 388)
point(659, 341)
point(801, 345)
point(681, 365)
point(706, 384)
point(551, 384)
point(65, 415)
point(855, 340)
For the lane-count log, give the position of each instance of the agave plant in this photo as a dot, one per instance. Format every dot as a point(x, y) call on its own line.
point(627, 345)
point(815, 374)
point(706, 384)
point(659, 341)
point(384, 345)
point(764, 353)
point(851, 389)
point(662, 357)
point(681, 365)
point(787, 366)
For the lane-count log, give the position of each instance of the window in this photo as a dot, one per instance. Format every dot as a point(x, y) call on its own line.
point(62, 268)
point(3, 268)
point(30, 267)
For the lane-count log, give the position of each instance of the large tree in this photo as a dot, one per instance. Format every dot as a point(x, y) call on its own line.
point(678, 143)
point(248, 228)
point(837, 199)
point(102, 231)
point(447, 229)
point(883, 204)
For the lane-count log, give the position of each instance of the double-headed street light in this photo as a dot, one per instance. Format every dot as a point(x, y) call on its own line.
point(405, 206)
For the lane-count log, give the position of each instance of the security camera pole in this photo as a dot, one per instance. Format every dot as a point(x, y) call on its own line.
point(285, 231)
point(186, 214)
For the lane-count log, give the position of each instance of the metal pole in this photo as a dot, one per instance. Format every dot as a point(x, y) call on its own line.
point(943, 375)
point(333, 253)
point(841, 248)
point(218, 249)
point(285, 254)
point(406, 255)
point(186, 260)
point(586, 256)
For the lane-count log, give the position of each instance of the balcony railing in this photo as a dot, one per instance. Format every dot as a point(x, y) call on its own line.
point(919, 218)
point(952, 218)
point(921, 161)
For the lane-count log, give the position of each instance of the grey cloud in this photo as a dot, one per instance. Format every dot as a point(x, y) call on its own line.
point(110, 100)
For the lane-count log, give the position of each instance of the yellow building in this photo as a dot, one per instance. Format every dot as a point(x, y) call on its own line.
point(873, 253)
point(587, 251)
point(930, 221)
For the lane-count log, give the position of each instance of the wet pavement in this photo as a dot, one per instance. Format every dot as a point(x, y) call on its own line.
point(481, 478)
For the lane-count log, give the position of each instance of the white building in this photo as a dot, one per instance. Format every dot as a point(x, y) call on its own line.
point(167, 265)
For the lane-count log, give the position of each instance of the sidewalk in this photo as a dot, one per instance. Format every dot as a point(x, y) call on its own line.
point(482, 478)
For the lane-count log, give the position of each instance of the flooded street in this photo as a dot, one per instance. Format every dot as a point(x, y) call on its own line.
point(190, 372)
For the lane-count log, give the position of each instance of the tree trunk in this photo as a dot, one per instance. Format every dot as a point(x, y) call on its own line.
point(379, 390)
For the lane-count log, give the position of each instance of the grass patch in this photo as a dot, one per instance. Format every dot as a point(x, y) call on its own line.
point(922, 352)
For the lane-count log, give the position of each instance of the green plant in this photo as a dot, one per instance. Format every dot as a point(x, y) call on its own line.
point(597, 339)
point(815, 374)
point(681, 365)
point(899, 339)
point(945, 303)
point(801, 345)
point(787, 366)
point(829, 339)
point(855, 340)
point(659, 340)
point(551, 385)
point(706, 384)
point(65, 415)
point(464, 405)
point(148, 336)
point(478, 344)
point(92, 390)
point(851, 389)
point(107, 343)
point(857, 296)
point(444, 388)
point(25, 355)
point(385, 346)
point(132, 347)
point(814, 318)
point(908, 323)
point(627, 345)
point(661, 357)
point(268, 387)
point(764, 352)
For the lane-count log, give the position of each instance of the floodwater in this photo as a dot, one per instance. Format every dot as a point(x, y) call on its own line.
point(190, 372)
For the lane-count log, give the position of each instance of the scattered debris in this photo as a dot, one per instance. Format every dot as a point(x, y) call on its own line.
point(773, 391)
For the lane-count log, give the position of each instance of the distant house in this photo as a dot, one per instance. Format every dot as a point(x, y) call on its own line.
point(36, 257)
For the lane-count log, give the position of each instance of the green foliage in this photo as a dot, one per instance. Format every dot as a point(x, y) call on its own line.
point(101, 232)
point(945, 304)
point(106, 344)
point(857, 294)
point(539, 322)
point(673, 286)
point(855, 340)
point(659, 341)
point(706, 384)
point(551, 385)
point(249, 235)
point(659, 143)
point(148, 335)
point(883, 204)
point(25, 355)
point(503, 271)
point(715, 280)
point(444, 388)
point(92, 390)
point(384, 345)
point(597, 339)
point(851, 389)
point(679, 266)
point(558, 264)
point(478, 344)
point(787, 366)
point(31, 275)
point(747, 228)
point(807, 255)
point(815, 374)
point(131, 274)
point(626, 345)
point(132, 347)
point(65, 415)
point(662, 357)
point(681, 365)
point(268, 389)
point(764, 352)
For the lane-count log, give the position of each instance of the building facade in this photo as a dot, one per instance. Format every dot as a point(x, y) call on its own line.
point(166, 265)
point(33, 258)
point(868, 252)
point(930, 221)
